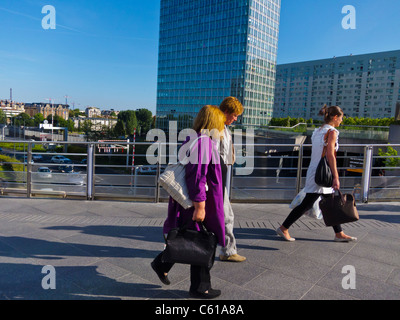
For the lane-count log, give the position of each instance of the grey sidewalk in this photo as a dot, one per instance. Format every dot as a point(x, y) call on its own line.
point(103, 250)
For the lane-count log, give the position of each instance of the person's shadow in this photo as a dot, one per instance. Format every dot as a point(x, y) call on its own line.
point(24, 280)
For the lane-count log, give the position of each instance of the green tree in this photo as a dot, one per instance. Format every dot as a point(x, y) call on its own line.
point(23, 119)
point(38, 118)
point(389, 162)
point(56, 120)
point(86, 127)
point(74, 113)
point(70, 125)
point(119, 129)
point(3, 117)
point(128, 118)
point(145, 120)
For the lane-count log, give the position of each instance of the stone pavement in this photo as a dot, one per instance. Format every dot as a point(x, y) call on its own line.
point(103, 249)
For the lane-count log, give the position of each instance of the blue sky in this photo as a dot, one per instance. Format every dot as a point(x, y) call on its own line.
point(104, 53)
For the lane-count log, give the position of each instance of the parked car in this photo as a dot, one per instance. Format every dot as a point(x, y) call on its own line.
point(37, 157)
point(66, 169)
point(147, 169)
point(25, 159)
point(44, 172)
point(60, 159)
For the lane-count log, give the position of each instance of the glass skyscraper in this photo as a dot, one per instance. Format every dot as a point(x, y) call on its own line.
point(212, 49)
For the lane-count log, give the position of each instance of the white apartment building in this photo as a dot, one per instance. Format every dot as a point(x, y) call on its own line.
point(96, 123)
point(92, 112)
point(364, 86)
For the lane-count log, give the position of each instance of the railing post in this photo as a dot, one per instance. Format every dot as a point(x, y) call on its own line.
point(366, 177)
point(29, 171)
point(299, 169)
point(157, 195)
point(90, 172)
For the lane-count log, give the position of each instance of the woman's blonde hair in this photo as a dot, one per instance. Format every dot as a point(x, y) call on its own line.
point(210, 121)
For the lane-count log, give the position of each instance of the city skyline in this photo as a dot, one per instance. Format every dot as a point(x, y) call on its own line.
point(104, 53)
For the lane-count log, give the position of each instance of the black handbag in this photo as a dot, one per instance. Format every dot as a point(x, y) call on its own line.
point(323, 174)
point(338, 209)
point(191, 246)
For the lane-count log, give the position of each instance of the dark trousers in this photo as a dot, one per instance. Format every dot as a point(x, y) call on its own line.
point(306, 205)
point(199, 276)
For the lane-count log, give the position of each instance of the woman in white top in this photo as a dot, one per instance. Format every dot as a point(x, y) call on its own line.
point(333, 118)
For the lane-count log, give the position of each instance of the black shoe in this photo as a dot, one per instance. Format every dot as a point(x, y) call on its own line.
point(211, 294)
point(164, 279)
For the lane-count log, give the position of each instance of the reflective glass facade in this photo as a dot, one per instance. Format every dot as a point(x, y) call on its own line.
point(212, 49)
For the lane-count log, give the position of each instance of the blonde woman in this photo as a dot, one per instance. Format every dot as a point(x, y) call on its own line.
point(204, 178)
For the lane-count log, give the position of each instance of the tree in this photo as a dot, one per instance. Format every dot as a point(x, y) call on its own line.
point(390, 162)
point(145, 120)
point(74, 113)
point(23, 119)
point(70, 125)
point(38, 118)
point(86, 127)
point(56, 120)
point(3, 117)
point(119, 129)
point(128, 118)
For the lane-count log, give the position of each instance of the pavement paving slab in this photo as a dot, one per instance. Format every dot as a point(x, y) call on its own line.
point(102, 250)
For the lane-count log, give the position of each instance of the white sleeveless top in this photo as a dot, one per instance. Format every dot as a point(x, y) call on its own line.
point(316, 153)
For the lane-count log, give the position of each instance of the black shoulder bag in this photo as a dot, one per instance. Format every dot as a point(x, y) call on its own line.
point(323, 174)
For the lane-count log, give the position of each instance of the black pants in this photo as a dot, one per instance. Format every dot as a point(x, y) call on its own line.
point(200, 279)
point(306, 205)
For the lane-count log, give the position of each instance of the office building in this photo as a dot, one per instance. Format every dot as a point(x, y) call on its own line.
point(212, 49)
point(365, 86)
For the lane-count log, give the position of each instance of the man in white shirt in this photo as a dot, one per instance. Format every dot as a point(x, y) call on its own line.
point(232, 108)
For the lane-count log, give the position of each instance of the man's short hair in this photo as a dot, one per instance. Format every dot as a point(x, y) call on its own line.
point(231, 105)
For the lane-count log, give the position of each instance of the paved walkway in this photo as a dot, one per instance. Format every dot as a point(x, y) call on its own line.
point(103, 249)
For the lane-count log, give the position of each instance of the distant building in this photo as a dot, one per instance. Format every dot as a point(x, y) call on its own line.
point(364, 86)
point(47, 109)
point(12, 109)
point(92, 112)
point(97, 123)
point(107, 113)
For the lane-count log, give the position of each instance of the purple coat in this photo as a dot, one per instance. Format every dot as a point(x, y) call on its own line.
point(208, 171)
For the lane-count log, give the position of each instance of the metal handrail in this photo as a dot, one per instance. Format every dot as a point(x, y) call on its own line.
point(131, 185)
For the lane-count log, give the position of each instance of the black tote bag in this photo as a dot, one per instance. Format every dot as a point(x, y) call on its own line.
point(190, 247)
point(338, 209)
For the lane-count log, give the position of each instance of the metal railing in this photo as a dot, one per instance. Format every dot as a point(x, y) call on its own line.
point(278, 173)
